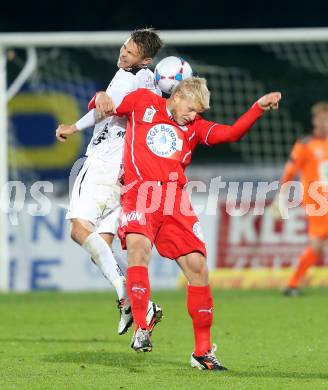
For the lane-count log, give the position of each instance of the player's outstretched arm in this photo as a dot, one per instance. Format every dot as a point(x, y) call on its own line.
point(217, 133)
point(64, 131)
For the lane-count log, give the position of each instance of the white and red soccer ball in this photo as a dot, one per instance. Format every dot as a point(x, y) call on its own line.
point(170, 71)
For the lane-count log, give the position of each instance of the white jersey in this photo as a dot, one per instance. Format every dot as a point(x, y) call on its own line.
point(108, 136)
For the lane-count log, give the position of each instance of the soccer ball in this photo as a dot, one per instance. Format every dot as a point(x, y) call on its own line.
point(170, 71)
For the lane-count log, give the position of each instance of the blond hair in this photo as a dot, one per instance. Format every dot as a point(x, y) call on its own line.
point(319, 107)
point(194, 88)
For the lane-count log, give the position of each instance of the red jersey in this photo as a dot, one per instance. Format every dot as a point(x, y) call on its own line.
point(155, 145)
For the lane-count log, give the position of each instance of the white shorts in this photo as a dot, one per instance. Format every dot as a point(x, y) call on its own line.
point(96, 195)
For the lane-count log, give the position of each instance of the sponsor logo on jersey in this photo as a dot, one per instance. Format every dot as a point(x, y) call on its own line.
point(117, 133)
point(113, 133)
point(163, 140)
point(132, 216)
point(101, 136)
point(149, 115)
point(198, 231)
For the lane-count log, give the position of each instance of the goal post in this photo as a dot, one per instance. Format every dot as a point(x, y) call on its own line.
point(218, 55)
point(173, 37)
point(4, 244)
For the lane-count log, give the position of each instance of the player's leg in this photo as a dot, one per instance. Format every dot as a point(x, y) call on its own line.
point(87, 195)
point(107, 226)
point(137, 280)
point(180, 238)
point(308, 258)
point(154, 311)
point(83, 233)
point(137, 231)
point(138, 288)
point(123, 304)
point(107, 229)
point(317, 232)
point(200, 308)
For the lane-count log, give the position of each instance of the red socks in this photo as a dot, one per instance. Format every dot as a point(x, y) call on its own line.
point(138, 289)
point(199, 302)
point(200, 308)
point(307, 258)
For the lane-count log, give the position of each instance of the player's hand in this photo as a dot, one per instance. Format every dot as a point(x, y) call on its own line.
point(270, 101)
point(63, 131)
point(104, 105)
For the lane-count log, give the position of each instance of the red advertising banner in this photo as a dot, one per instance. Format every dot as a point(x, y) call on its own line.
point(247, 240)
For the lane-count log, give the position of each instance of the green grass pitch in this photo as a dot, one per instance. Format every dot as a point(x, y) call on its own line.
point(69, 341)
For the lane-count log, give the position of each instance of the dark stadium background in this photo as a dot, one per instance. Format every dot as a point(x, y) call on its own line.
point(120, 15)
point(108, 15)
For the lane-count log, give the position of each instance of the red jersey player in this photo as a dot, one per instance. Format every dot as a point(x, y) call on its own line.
point(160, 138)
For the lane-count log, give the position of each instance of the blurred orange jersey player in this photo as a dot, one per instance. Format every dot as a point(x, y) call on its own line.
point(309, 160)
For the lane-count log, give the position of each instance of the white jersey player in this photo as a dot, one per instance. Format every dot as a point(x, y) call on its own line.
point(95, 199)
point(96, 193)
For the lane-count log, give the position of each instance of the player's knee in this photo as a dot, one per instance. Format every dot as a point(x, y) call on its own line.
point(75, 233)
point(108, 238)
point(138, 256)
point(80, 230)
point(202, 275)
point(198, 266)
point(139, 250)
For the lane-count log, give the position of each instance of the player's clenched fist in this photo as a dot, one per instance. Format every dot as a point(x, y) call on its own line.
point(270, 101)
point(104, 105)
point(63, 131)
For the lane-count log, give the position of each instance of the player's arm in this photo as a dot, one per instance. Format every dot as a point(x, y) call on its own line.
point(103, 104)
point(113, 97)
point(64, 131)
point(88, 120)
point(213, 133)
point(289, 172)
point(296, 162)
point(292, 167)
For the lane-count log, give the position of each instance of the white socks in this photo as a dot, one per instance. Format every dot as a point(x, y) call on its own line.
point(101, 253)
point(122, 263)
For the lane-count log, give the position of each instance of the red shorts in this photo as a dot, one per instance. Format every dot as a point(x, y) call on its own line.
point(163, 213)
